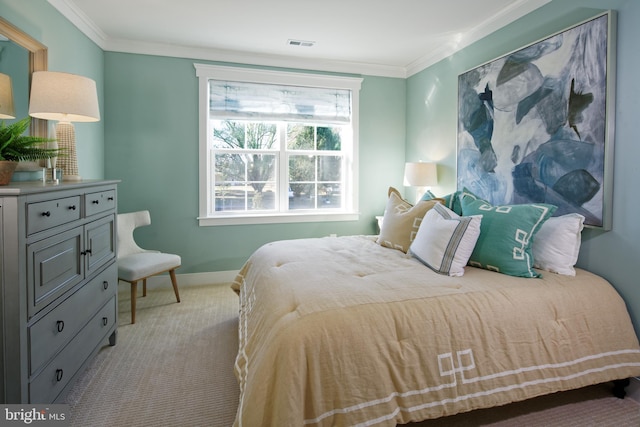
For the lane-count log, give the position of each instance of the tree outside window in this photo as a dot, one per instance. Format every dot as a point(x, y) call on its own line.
point(247, 157)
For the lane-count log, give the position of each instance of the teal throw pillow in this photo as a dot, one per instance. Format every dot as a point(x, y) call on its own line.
point(428, 195)
point(452, 201)
point(506, 235)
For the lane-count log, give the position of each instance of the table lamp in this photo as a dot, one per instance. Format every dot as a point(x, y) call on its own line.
point(66, 98)
point(7, 109)
point(420, 175)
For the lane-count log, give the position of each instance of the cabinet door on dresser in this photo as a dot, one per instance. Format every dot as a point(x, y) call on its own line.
point(54, 265)
point(100, 243)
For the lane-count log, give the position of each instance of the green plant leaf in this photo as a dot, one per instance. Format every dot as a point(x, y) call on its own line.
point(16, 144)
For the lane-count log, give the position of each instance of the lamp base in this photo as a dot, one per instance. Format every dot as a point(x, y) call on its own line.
point(68, 160)
point(71, 177)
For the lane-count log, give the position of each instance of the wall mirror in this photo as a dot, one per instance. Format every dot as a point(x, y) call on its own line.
point(35, 54)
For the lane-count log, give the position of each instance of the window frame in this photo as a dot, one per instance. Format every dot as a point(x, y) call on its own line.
point(206, 72)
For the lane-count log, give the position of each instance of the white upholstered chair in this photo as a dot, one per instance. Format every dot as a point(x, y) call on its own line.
point(135, 263)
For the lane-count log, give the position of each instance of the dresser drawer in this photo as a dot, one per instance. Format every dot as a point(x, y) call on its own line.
point(54, 265)
point(51, 213)
point(102, 201)
point(48, 384)
point(53, 331)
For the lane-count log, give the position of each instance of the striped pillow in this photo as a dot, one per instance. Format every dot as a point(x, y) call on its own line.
point(445, 241)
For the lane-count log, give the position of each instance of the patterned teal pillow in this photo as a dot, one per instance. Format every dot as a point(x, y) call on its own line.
point(506, 235)
point(452, 201)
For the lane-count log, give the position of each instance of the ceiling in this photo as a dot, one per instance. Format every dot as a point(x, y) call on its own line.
point(376, 37)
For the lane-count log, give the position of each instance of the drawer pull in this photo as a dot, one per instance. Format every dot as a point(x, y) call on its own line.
point(59, 374)
point(105, 321)
point(60, 325)
point(95, 202)
point(105, 285)
point(110, 199)
point(46, 213)
point(87, 252)
point(72, 207)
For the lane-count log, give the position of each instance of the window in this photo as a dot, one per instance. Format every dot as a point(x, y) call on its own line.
point(276, 146)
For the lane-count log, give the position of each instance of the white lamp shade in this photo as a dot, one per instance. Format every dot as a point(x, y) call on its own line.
point(7, 109)
point(64, 97)
point(419, 174)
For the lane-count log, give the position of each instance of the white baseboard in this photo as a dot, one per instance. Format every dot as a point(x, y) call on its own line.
point(193, 279)
point(633, 390)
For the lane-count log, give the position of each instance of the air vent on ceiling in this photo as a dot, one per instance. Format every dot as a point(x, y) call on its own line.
point(303, 43)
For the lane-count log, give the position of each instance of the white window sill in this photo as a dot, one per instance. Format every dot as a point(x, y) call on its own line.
point(279, 218)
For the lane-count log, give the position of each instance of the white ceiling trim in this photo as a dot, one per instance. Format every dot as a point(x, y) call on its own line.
point(515, 11)
point(78, 18)
point(161, 49)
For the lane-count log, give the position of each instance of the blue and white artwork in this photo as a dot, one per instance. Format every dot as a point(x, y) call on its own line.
point(532, 125)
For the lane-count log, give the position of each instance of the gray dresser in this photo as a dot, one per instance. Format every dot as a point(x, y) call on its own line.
point(58, 279)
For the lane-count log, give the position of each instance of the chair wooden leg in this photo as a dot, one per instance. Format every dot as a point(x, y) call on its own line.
point(144, 287)
point(174, 282)
point(134, 295)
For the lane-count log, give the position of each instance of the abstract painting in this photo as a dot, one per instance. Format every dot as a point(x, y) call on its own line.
point(536, 125)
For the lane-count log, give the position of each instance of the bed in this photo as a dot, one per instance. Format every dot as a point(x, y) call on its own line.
point(347, 331)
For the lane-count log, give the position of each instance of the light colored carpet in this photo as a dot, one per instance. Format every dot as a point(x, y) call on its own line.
point(174, 367)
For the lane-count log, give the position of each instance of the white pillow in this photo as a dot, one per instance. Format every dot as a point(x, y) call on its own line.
point(556, 246)
point(445, 241)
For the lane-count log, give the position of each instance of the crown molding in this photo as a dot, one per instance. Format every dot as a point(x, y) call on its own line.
point(77, 17)
point(457, 42)
point(249, 58)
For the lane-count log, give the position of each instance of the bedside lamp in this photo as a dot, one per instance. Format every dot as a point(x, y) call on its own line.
point(421, 175)
point(7, 110)
point(66, 98)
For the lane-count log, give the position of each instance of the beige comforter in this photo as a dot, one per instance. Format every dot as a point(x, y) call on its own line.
point(341, 331)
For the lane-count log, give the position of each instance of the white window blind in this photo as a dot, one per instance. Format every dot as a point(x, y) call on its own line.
point(231, 99)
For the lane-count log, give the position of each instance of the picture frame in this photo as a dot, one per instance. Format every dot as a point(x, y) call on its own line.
point(537, 125)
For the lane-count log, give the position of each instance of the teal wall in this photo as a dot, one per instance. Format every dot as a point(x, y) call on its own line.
point(151, 111)
point(432, 115)
point(69, 51)
point(148, 137)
